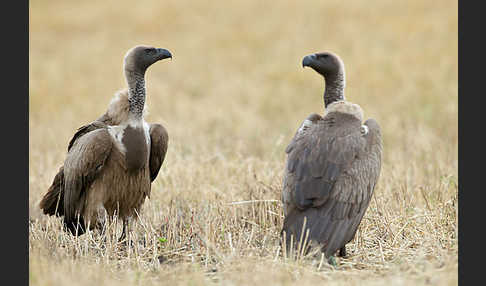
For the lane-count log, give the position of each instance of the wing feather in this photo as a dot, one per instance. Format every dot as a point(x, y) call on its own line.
point(83, 164)
point(53, 201)
point(159, 139)
point(84, 130)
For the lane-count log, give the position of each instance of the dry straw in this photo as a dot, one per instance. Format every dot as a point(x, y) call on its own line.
point(231, 100)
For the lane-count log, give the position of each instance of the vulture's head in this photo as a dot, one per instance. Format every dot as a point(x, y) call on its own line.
point(139, 58)
point(325, 63)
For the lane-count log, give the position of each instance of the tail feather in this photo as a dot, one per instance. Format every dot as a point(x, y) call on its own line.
point(53, 202)
point(322, 229)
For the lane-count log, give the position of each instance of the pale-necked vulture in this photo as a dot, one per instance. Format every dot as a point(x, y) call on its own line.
point(333, 164)
point(112, 161)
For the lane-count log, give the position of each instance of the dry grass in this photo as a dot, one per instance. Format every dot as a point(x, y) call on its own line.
point(231, 99)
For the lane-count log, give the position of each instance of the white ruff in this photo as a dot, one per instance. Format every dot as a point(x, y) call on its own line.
point(345, 107)
point(117, 133)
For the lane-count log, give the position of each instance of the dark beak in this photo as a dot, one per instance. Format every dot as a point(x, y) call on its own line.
point(164, 54)
point(307, 61)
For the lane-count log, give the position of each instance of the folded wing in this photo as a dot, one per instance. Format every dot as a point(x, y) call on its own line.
point(332, 168)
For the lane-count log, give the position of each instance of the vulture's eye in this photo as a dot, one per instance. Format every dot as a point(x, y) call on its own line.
point(323, 56)
point(149, 51)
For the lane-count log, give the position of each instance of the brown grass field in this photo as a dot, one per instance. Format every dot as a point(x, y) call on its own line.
point(231, 99)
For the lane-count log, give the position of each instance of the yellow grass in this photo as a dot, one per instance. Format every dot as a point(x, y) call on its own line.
point(231, 99)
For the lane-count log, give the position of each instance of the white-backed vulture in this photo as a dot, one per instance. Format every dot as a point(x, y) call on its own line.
point(112, 161)
point(333, 164)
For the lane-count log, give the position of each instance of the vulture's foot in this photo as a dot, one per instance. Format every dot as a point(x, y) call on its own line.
point(122, 238)
point(126, 243)
point(332, 260)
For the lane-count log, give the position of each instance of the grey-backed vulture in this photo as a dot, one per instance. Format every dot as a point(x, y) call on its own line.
point(333, 164)
point(112, 161)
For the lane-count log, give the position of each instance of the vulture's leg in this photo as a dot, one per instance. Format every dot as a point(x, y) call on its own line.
point(124, 231)
point(342, 251)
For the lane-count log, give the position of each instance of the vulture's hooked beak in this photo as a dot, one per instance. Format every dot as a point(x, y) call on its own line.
point(307, 61)
point(164, 54)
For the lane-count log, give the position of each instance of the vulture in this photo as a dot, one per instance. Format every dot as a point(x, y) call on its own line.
point(333, 164)
point(112, 161)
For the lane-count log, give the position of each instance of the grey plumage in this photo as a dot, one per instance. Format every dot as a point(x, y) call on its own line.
point(112, 161)
point(333, 164)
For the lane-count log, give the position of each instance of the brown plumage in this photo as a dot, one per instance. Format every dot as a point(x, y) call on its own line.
point(112, 161)
point(333, 165)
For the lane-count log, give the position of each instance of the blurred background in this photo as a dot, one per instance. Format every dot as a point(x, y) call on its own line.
point(235, 91)
point(236, 79)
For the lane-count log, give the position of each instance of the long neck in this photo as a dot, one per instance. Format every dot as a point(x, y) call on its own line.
point(136, 93)
point(335, 84)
